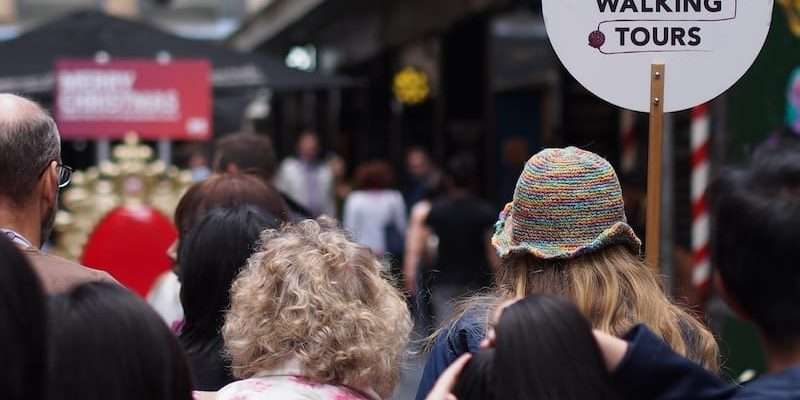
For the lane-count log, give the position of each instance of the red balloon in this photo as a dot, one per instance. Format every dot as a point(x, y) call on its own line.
point(131, 244)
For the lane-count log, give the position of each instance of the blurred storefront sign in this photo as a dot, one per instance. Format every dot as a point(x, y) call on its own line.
point(156, 100)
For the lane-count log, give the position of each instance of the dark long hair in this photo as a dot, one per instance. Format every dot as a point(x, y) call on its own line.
point(107, 344)
point(213, 253)
point(475, 381)
point(545, 350)
point(22, 327)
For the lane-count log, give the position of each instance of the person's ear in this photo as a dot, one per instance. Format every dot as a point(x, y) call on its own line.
point(719, 286)
point(172, 251)
point(48, 183)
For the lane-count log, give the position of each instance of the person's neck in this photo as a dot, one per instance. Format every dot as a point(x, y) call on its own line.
point(782, 357)
point(22, 220)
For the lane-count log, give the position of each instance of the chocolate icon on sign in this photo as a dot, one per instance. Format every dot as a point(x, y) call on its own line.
point(597, 39)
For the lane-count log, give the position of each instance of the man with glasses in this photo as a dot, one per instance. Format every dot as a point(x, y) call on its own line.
point(31, 175)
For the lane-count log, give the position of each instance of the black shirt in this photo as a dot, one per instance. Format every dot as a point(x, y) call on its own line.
point(462, 225)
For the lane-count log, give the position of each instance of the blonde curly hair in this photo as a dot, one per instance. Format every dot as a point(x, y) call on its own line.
point(310, 294)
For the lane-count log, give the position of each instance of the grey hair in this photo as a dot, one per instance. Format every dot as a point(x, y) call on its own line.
point(27, 145)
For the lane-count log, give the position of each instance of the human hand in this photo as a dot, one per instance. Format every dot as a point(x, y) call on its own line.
point(613, 349)
point(444, 385)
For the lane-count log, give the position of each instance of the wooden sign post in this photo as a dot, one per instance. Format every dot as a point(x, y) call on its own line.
point(653, 234)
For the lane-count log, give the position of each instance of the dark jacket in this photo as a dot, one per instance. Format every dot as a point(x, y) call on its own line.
point(651, 370)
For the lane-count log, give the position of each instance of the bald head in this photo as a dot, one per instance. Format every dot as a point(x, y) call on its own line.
point(29, 141)
point(13, 107)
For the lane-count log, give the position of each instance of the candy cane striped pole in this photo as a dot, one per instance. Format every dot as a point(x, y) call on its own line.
point(627, 137)
point(700, 137)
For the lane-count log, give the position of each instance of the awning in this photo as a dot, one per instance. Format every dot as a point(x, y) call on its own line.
point(27, 61)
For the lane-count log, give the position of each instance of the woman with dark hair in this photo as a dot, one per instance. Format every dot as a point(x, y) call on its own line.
point(375, 213)
point(211, 256)
point(22, 319)
point(226, 190)
point(545, 350)
point(107, 344)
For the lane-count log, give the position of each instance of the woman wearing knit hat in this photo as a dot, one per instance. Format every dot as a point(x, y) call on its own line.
point(565, 233)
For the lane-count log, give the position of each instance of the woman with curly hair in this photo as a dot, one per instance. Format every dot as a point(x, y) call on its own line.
point(312, 317)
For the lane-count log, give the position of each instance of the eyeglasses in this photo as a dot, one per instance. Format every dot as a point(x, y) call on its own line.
point(64, 173)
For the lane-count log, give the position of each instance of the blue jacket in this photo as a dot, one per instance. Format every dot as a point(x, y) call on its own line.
point(464, 336)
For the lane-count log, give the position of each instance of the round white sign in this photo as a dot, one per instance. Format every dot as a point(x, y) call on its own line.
point(610, 45)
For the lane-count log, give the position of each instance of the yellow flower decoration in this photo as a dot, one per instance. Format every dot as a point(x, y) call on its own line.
point(411, 86)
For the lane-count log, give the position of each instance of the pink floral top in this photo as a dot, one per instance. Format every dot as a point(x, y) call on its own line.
point(286, 387)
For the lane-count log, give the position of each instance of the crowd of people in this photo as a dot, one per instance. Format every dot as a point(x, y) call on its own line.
point(272, 298)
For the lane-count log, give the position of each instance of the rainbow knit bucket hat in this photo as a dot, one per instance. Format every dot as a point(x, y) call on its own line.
point(568, 202)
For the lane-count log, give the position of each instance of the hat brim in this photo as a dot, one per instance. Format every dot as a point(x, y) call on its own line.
point(618, 234)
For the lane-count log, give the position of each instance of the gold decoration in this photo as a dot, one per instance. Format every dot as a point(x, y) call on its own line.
point(132, 178)
point(792, 8)
point(411, 86)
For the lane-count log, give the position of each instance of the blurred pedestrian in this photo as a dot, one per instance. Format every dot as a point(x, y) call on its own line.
point(420, 254)
point(342, 184)
point(307, 178)
point(375, 213)
point(107, 344)
point(421, 243)
point(23, 340)
point(462, 223)
point(312, 317)
point(31, 175)
point(212, 254)
point(195, 157)
point(218, 191)
point(565, 234)
point(421, 175)
point(253, 154)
